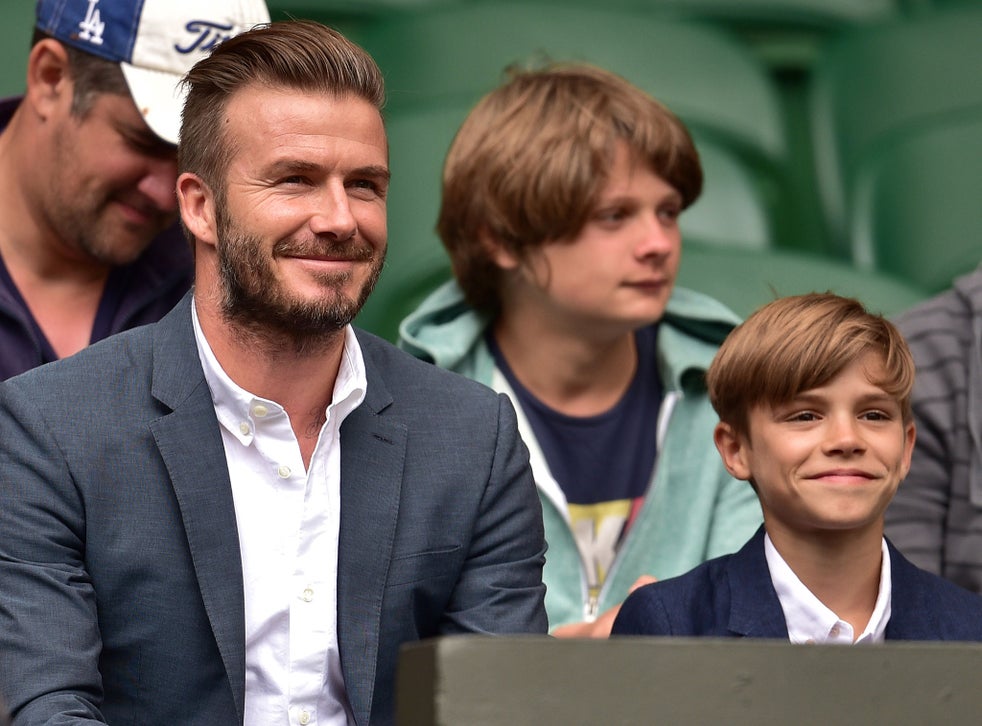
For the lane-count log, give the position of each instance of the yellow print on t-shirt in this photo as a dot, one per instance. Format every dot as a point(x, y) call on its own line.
point(598, 530)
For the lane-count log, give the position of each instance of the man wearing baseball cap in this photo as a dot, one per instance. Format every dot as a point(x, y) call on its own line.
point(89, 240)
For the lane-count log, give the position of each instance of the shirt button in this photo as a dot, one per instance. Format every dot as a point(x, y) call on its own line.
point(244, 428)
point(283, 471)
point(259, 410)
point(304, 718)
point(308, 595)
point(835, 630)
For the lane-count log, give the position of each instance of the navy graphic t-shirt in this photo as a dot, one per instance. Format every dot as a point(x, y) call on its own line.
point(602, 463)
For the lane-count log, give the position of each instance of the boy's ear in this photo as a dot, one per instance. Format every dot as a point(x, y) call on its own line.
point(499, 254)
point(734, 450)
point(910, 436)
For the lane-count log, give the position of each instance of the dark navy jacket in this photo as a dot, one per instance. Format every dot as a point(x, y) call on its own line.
point(733, 596)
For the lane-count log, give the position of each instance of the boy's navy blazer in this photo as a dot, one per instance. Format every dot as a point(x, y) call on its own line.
point(119, 547)
point(733, 596)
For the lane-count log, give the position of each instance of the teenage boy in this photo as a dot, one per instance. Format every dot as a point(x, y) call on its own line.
point(561, 198)
point(813, 395)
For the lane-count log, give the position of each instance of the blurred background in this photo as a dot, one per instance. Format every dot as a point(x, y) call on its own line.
point(841, 139)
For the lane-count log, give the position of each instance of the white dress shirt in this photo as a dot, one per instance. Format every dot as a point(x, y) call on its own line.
point(288, 522)
point(809, 621)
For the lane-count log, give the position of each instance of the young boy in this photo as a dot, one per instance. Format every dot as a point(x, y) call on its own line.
point(813, 395)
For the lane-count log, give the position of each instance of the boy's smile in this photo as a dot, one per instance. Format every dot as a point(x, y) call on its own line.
point(831, 459)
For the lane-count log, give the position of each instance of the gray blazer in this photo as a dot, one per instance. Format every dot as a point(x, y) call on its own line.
point(121, 592)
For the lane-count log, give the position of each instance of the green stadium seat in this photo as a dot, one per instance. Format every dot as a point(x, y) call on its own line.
point(790, 14)
point(727, 212)
point(743, 278)
point(746, 279)
point(917, 210)
point(15, 44)
point(704, 76)
point(878, 81)
point(437, 66)
point(416, 262)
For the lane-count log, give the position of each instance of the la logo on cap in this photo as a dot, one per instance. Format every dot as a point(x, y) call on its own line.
point(155, 42)
point(92, 27)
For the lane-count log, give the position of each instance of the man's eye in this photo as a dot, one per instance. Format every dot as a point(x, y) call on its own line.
point(367, 188)
point(149, 147)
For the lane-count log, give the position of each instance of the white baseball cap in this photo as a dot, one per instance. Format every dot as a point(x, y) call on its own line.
point(155, 42)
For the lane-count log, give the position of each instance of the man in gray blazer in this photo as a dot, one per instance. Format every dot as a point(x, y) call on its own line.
point(238, 514)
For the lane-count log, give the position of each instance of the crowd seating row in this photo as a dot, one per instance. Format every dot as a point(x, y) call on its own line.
point(891, 134)
point(865, 163)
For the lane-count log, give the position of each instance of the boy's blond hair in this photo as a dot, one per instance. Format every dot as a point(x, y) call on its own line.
point(797, 343)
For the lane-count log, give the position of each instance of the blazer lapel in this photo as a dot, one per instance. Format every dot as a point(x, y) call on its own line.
point(190, 442)
point(373, 453)
point(755, 610)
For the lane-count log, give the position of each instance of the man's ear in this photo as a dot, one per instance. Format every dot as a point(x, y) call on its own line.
point(49, 83)
point(734, 450)
point(197, 204)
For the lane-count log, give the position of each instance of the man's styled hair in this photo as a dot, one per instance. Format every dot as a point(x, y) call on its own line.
point(91, 76)
point(529, 163)
point(797, 343)
point(302, 55)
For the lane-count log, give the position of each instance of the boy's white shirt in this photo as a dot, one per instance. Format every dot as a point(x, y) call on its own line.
point(809, 620)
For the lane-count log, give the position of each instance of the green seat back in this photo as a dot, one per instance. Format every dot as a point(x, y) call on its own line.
point(917, 209)
point(416, 261)
point(438, 62)
point(746, 279)
point(878, 81)
point(460, 50)
point(728, 212)
point(15, 44)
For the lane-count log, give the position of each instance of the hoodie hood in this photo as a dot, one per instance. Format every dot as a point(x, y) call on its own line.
point(446, 331)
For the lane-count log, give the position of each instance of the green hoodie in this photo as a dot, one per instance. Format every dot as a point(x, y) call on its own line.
point(694, 510)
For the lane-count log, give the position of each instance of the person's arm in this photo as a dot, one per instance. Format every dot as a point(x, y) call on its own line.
point(643, 613)
point(49, 634)
point(599, 628)
point(500, 589)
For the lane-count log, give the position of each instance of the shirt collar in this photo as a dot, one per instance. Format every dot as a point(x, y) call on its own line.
point(809, 620)
point(237, 408)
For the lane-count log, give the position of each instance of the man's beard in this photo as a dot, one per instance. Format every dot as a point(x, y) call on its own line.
point(254, 301)
point(84, 219)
